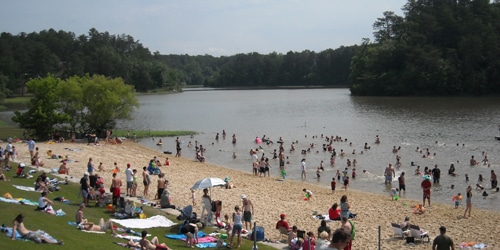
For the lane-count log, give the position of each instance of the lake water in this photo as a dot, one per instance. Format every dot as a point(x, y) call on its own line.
point(302, 114)
point(438, 124)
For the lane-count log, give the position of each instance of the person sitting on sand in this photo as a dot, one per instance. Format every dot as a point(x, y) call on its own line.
point(420, 209)
point(282, 223)
point(334, 212)
point(26, 234)
point(102, 227)
point(324, 228)
point(100, 168)
point(63, 169)
point(229, 184)
point(154, 244)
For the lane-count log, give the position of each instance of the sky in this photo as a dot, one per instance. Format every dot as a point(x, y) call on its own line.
point(213, 27)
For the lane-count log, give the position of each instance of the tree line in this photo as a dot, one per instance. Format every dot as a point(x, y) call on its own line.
point(438, 48)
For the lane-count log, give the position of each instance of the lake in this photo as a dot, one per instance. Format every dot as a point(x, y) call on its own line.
point(453, 129)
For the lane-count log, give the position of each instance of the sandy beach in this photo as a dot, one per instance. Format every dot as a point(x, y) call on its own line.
point(271, 197)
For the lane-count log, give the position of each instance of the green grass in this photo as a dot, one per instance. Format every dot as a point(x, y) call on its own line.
point(6, 132)
point(17, 100)
point(58, 226)
point(155, 133)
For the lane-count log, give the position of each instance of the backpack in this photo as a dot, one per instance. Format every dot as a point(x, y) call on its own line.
point(353, 230)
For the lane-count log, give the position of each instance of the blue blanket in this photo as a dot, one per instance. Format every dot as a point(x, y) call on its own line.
point(182, 236)
point(208, 245)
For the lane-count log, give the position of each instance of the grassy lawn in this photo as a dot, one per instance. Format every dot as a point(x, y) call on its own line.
point(58, 226)
point(6, 132)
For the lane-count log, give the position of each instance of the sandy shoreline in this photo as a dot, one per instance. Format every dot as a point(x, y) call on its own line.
point(271, 197)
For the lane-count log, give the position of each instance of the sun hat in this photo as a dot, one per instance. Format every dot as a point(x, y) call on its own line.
point(22, 165)
point(227, 179)
point(243, 196)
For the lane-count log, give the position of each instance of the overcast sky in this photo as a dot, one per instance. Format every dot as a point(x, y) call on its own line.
point(214, 27)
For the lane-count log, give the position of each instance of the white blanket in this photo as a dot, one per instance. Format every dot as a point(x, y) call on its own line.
point(155, 221)
point(25, 188)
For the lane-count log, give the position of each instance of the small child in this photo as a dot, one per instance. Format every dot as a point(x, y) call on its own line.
point(228, 226)
point(457, 199)
point(466, 177)
point(308, 194)
point(193, 197)
point(346, 183)
point(420, 209)
point(318, 173)
point(354, 173)
point(393, 193)
point(283, 174)
point(338, 174)
point(333, 184)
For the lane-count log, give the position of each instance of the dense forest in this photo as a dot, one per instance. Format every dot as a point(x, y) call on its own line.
point(439, 47)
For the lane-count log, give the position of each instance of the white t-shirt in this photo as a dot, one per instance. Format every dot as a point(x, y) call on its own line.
point(130, 175)
point(303, 165)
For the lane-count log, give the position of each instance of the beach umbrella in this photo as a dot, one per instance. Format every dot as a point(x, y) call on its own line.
point(208, 183)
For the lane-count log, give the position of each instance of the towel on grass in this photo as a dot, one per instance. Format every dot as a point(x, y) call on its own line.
point(25, 188)
point(19, 237)
point(182, 236)
point(204, 239)
point(128, 237)
point(19, 201)
point(155, 221)
point(208, 245)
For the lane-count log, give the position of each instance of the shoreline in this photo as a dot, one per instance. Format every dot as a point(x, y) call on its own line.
point(271, 197)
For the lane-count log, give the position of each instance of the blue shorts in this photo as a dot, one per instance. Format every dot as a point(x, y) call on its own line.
point(237, 228)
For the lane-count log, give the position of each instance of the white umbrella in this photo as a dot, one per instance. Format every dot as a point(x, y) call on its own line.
point(208, 183)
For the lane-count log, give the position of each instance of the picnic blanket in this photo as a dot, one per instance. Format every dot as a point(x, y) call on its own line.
point(182, 236)
point(155, 221)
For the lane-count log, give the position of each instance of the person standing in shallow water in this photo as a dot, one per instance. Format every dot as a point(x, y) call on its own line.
point(303, 168)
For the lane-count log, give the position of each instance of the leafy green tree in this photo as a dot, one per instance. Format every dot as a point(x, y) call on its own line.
point(105, 101)
point(42, 114)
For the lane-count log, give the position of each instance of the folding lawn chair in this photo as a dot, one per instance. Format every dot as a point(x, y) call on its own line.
point(417, 233)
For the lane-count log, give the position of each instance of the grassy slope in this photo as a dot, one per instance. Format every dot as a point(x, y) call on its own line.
point(58, 227)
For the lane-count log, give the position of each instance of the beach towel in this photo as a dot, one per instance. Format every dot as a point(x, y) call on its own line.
point(204, 239)
point(182, 236)
point(155, 221)
point(19, 201)
point(208, 245)
point(8, 233)
point(128, 237)
point(25, 188)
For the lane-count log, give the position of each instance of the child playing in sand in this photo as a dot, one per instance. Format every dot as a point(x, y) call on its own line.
point(308, 194)
point(116, 170)
point(420, 209)
point(457, 199)
point(100, 168)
